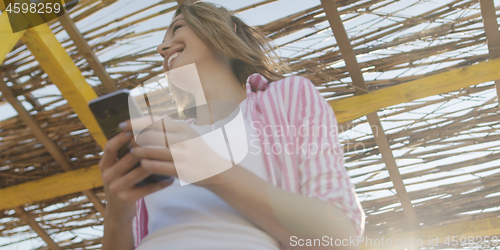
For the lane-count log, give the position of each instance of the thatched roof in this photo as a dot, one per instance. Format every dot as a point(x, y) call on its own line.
point(436, 162)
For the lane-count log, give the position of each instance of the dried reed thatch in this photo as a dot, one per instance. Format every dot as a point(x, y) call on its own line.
point(444, 145)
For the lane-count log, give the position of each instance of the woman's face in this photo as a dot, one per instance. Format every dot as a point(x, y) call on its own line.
point(181, 46)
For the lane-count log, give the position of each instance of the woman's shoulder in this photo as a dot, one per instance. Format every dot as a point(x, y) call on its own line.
point(292, 81)
point(292, 93)
point(293, 90)
point(291, 85)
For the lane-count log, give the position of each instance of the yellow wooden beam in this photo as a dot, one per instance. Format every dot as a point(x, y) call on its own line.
point(63, 72)
point(354, 107)
point(51, 187)
point(8, 39)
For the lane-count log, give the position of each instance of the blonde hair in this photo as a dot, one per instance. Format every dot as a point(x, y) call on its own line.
point(248, 47)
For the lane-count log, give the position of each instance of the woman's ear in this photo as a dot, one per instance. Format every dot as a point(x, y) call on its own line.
point(235, 27)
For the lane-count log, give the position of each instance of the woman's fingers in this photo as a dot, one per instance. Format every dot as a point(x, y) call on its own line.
point(159, 167)
point(120, 168)
point(163, 154)
point(129, 180)
point(140, 192)
point(111, 149)
point(121, 176)
point(124, 188)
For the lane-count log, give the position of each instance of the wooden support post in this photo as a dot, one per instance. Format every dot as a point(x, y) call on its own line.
point(63, 72)
point(352, 66)
point(488, 12)
point(49, 144)
point(88, 54)
point(27, 218)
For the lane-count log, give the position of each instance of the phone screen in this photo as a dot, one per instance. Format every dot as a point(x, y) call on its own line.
point(112, 109)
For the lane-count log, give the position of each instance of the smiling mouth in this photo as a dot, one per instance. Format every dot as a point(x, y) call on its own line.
point(173, 57)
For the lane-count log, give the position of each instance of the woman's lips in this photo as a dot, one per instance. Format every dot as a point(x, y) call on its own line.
point(170, 66)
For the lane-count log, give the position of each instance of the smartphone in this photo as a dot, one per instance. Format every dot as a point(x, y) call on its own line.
point(110, 110)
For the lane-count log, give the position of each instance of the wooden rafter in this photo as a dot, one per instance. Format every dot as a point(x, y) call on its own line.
point(49, 144)
point(378, 131)
point(28, 219)
point(413, 90)
point(51, 187)
point(9, 41)
point(87, 53)
point(51, 147)
point(64, 74)
point(61, 69)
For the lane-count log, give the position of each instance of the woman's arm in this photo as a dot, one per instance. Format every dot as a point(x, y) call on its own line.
point(281, 213)
point(117, 233)
point(319, 175)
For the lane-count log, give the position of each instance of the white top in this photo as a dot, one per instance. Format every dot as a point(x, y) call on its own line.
point(192, 217)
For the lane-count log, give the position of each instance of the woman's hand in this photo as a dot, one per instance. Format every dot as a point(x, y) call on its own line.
point(120, 177)
point(173, 148)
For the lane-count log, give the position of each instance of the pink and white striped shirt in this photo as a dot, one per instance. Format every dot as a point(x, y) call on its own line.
point(293, 117)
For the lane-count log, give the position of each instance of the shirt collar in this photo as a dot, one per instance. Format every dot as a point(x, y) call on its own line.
point(256, 82)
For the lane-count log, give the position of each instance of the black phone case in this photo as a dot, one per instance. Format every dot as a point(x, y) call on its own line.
point(110, 110)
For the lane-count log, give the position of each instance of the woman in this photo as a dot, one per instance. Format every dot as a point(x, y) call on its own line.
point(290, 192)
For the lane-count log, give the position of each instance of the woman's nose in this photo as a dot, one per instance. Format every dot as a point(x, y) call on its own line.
point(162, 49)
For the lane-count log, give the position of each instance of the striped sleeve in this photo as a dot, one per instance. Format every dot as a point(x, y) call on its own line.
point(321, 171)
point(140, 222)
